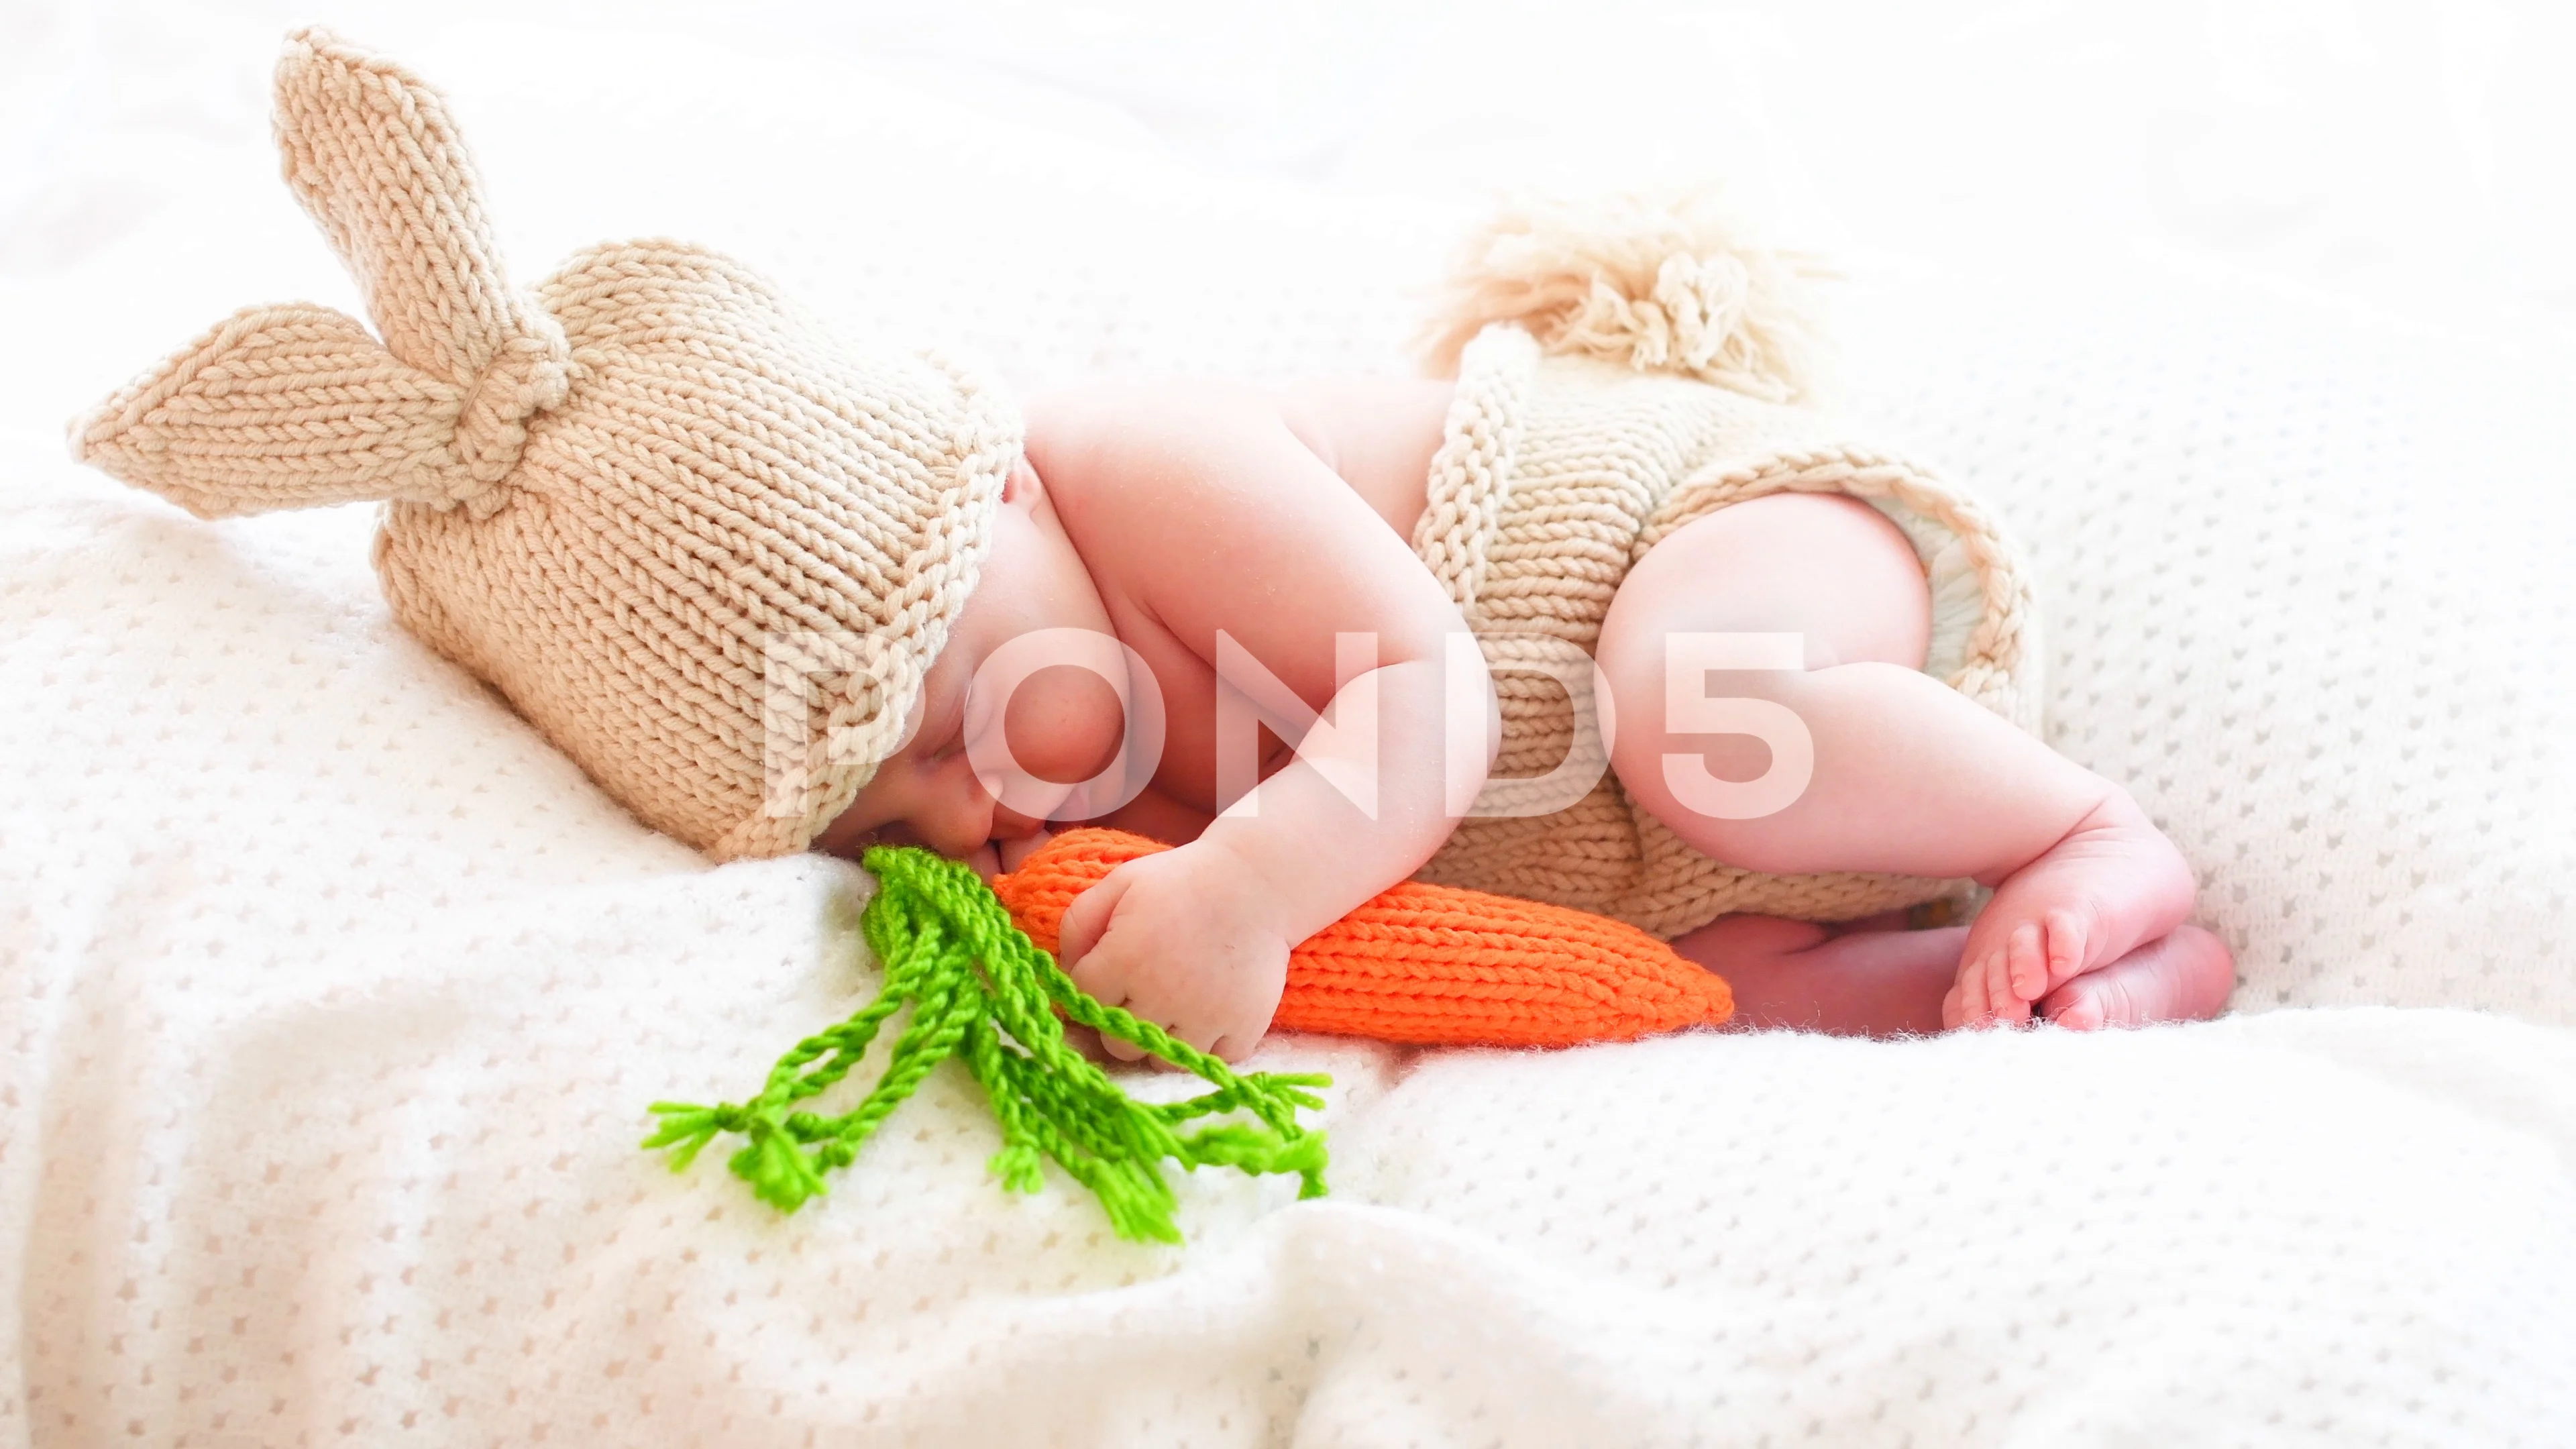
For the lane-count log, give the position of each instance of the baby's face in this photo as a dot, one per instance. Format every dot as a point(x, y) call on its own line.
point(1062, 724)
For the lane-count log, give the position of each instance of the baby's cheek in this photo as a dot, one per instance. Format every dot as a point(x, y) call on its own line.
point(1064, 725)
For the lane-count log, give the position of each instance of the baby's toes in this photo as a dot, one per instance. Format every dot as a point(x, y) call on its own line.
point(2070, 947)
point(2026, 957)
point(2079, 1005)
point(1965, 1004)
point(2009, 1007)
point(2046, 952)
point(1987, 997)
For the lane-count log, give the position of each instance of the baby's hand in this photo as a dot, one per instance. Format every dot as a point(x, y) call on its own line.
point(1185, 939)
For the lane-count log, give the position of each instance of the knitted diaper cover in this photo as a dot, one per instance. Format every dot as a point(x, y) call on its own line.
point(1554, 476)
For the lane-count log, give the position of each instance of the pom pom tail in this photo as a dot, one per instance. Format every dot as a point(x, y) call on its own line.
point(1666, 284)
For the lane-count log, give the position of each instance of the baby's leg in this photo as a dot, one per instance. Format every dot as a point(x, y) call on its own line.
point(1797, 976)
point(1909, 776)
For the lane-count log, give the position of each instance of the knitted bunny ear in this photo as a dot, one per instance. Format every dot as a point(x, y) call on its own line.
point(371, 153)
point(282, 407)
point(292, 406)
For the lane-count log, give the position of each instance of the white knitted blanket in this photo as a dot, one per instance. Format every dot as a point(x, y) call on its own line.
point(331, 999)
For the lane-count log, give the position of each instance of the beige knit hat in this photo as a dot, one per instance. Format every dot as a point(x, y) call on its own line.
point(705, 549)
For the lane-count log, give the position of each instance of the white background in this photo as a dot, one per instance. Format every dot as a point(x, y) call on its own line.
point(331, 997)
point(2409, 158)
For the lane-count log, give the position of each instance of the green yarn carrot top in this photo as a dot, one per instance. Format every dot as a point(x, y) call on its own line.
point(981, 990)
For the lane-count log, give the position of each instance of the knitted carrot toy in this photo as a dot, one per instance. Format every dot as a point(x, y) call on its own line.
point(1431, 965)
point(979, 989)
point(1417, 963)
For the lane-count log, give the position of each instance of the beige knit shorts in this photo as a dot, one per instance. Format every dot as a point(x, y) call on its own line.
point(1554, 476)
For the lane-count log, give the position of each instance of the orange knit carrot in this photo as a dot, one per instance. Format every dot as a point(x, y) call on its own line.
point(1430, 964)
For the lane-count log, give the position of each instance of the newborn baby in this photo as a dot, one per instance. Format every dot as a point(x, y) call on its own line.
point(661, 511)
point(1193, 520)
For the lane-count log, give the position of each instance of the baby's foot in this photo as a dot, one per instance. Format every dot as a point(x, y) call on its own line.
point(2184, 977)
point(2111, 884)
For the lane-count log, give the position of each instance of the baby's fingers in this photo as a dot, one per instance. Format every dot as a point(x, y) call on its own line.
point(1097, 976)
point(1226, 1046)
point(1086, 922)
point(1118, 1046)
point(1204, 1041)
point(1100, 976)
point(1127, 1051)
point(1234, 1047)
point(1086, 1041)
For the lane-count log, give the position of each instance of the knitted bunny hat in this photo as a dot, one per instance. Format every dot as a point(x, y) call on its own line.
point(703, 548)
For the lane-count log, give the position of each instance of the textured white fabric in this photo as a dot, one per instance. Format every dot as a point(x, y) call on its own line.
point(331, 999)
point(2307, 592)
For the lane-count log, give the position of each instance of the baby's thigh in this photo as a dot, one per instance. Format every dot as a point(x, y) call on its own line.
point(1824, 566)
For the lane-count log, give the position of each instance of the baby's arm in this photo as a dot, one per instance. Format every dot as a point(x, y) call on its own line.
point(1196, 507)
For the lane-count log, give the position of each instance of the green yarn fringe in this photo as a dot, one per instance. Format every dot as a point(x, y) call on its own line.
point(932, 924)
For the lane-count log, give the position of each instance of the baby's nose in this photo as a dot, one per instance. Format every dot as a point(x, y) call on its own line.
point(960, 828)
point(1009, 824)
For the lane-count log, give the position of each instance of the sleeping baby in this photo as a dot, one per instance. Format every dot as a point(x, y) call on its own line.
point(1604, 614)
point(1759, 599)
